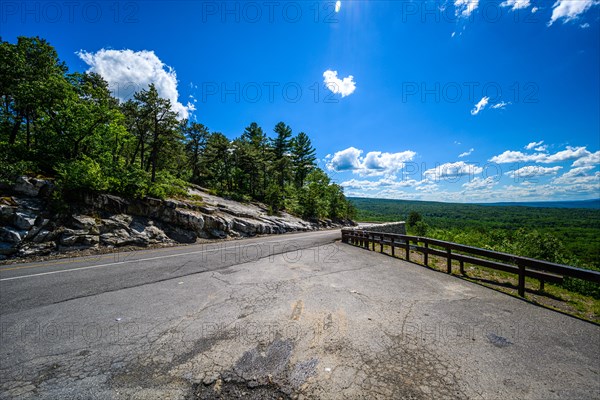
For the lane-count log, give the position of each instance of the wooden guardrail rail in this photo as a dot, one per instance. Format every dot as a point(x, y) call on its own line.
point(544, 271)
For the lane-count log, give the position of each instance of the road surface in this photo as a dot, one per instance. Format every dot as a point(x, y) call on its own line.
point(290, 316)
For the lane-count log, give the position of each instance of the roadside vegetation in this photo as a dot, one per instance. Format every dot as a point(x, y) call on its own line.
point(68, 127)
point(561, 235)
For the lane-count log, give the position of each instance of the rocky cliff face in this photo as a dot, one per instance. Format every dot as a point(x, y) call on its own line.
point(28, 227)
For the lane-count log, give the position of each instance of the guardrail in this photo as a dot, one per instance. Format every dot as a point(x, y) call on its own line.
point(544, 271)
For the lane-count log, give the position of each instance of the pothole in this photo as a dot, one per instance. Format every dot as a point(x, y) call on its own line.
point(237, 389)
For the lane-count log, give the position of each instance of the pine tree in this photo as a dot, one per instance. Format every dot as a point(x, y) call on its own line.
point(197, 136)
point(303, 158)
point(162, 121)
point(281, 146)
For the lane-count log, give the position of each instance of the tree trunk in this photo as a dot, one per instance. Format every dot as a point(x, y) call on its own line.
point(15, 130)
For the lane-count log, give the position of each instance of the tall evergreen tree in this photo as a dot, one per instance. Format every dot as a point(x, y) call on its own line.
point(260, 155)
point(162, 122)
point(196, 137)
point(216, 162)
point(303, 158)
point(281, 146)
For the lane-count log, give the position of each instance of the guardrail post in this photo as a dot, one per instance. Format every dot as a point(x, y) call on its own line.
point(449, 260)
point(426, 254)
point(407, 249)
point(521, 279)
point(462, 267)
point(373, 242)
point(382, 237)
point(392, 245)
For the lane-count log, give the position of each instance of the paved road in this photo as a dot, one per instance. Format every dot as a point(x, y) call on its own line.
point(325, 321)
point(30, 285)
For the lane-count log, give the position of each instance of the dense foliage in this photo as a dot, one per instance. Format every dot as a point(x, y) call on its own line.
point(564, 235)
point(561, 235)
point(69, 126)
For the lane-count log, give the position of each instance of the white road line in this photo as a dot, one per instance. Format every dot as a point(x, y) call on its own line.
point(147, 259)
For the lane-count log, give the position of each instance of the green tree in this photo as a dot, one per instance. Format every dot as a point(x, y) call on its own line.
point(161, 120)
point(303, 158)
point(197, 136)
point(31, 79)
point(281, 146)
point(420, 228)
point(338, 205)
point(314, 195)
point(216, 163)
point(413, 218)
point(535, 244)
point(260, 157)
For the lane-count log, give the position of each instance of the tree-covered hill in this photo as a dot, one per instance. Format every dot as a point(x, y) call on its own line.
point(565, 235)
point(69, 127)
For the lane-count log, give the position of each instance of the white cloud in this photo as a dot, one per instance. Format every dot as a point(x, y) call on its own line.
point(548, 191)
point(534, 10)
point(578, 176)
point(532, 171)
point(501, 106)
point(389, 163)
point(580, 171)
point(516, 4)
point(452, 171)
point(338, 6)
point(345, 86)
point(570, 153)
point(466, 153)
point(128, 71)
point(580, 180)
point(480, 106)
point(584, 26)
point(592, 159)
point(345, 160)
point(389, 181)
point(514, 156)
point(373, 163)
point(569, 10)
point(465, 8)
point(481, 183)
point(533, 145)
point(429, 188)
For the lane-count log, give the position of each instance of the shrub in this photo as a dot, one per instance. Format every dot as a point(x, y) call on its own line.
point(82, 174)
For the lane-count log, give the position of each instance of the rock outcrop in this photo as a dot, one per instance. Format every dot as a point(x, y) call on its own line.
point(28, 226)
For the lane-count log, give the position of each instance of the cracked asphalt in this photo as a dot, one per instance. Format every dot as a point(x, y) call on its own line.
point(285, 317)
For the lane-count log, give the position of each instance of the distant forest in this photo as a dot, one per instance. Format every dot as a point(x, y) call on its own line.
point(69, 127)
point(563, 235)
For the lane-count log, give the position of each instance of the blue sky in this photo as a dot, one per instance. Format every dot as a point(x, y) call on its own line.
point(469, 101)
